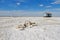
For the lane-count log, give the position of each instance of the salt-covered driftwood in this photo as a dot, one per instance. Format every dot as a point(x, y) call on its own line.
point(26, 24)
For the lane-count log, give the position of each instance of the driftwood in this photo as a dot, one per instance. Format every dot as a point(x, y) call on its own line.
point(26, 24)
point(20, 27)
point(29, 23)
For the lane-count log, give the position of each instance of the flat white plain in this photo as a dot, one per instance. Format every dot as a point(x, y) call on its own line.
point(46, 29)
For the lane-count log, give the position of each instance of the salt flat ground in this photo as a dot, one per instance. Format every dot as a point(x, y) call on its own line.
point(46, 29)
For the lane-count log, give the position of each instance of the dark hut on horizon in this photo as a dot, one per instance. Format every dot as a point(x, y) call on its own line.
point(48, 14)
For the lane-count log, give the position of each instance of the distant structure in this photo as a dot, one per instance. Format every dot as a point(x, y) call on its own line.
point(48, 14)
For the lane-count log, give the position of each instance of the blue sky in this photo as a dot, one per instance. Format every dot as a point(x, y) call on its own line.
point(29, 7)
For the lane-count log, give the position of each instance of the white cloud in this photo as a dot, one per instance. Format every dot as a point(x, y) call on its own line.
point(48, 6)
point(53, 10)
point(56, 2)
point(18, 3)
point(41, 5)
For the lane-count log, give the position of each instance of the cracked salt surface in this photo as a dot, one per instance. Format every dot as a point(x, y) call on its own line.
point(46, 29)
